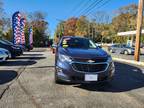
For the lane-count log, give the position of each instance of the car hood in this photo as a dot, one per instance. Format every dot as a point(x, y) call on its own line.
point(84, 53)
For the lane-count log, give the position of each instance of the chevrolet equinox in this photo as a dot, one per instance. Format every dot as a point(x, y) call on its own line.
point(79, 60)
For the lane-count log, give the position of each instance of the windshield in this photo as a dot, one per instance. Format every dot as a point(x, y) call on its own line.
point(78, 43)
point(7, 42)
point(3, 42)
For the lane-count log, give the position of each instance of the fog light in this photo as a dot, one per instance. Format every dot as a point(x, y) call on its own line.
point(58, 69)
point(60, 72)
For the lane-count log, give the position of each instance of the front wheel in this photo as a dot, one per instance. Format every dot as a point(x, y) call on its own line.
point(126, 52)
point(56, 79)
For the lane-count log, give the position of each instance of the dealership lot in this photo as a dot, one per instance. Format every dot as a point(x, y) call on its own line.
point(29, 83)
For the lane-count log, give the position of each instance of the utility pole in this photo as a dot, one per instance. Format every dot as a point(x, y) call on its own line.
point(139, 29)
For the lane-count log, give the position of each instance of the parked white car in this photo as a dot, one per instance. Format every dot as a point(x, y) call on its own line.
point(3, 56)
point(6, 51)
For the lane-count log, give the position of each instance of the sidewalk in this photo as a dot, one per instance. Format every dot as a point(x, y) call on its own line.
point(128, 61)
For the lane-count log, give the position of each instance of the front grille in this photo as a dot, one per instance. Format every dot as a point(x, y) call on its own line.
point(97, 60)
point(89, 67)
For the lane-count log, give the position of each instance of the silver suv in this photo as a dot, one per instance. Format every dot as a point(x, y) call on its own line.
point(122, 49)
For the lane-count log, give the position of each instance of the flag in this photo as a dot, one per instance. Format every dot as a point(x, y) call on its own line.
point(22, 29)
point(30, 36)
point(16, 27)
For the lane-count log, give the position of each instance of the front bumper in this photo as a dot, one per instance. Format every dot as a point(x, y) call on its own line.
point(18, 52)
point(66, 73)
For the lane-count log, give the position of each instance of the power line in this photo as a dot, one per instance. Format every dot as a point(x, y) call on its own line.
point(91, 6)
point(76, 8)
point(103, 4)
point(84, 5)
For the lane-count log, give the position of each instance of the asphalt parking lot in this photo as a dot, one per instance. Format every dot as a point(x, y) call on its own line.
point(28, 82)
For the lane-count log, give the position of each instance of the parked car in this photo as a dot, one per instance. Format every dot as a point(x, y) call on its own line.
point(10, 43)
point(80, 60)
point(6, 51)
point(3, 56)
point(15, 51)
point(121, 48)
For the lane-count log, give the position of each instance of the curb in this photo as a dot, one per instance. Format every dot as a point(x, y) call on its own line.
point(128, 61)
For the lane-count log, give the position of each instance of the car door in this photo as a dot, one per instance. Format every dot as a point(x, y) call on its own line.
point(117, 48)
point(113, 48)
point(123, 48)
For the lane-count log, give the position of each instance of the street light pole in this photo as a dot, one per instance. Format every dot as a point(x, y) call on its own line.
point(139, 29)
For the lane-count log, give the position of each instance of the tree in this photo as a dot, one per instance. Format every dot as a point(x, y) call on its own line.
point(70, 27)
point(40, 26)
point(82, 26)
point(5, 24)
point(126, 19)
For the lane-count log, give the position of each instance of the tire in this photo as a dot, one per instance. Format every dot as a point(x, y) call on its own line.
point(57, 81)
point(13, 56)
point(126, 52)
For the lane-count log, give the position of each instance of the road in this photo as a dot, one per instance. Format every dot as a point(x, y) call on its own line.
point(28, 82)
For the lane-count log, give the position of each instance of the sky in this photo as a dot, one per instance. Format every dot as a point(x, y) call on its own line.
point(57, 10)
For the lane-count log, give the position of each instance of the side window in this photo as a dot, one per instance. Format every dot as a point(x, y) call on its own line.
point(115, 46)
point(119, 46)
point(123, 46)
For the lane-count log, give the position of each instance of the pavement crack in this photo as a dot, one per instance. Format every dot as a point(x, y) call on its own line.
point(19, 71)
point(32, 99)
point(1, 95)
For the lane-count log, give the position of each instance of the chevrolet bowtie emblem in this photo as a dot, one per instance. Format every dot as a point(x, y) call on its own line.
point(91, 61)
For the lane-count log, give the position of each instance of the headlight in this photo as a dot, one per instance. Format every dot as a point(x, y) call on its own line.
point(64, 58)
point(109, 59)
point(1, 52)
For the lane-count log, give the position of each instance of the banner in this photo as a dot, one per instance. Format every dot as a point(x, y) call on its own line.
point(30, 36)
point(22, 31)
point(16, 27)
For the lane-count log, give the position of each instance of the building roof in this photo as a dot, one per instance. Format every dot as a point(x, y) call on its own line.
point(128, 33)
